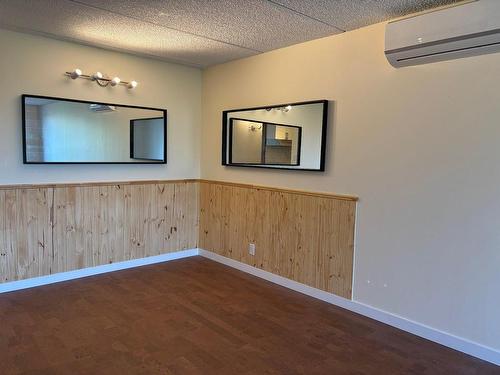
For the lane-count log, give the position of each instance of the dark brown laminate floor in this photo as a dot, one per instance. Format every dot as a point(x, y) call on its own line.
point(194, 316)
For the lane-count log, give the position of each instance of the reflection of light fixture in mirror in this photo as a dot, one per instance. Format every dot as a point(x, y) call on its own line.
point(286, 108)
point(254, 128)
point(282, 109)
point(100, 79)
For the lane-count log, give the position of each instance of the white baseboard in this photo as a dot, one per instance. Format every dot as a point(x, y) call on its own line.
point(76, 274)
point(422, 330)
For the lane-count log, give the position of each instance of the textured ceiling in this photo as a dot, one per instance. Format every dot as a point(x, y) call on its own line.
point(353, 14)
point(199, 33)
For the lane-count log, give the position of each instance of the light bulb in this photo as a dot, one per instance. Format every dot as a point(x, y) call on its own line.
point(75, 73)
point(115, 81)
point(288, 107)
point(132, 84)
point(96, 76)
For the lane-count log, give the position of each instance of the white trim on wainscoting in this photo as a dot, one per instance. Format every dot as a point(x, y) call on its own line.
point(458, 343)
point(91, 271)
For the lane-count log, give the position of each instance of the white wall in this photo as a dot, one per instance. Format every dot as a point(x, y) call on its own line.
point(420, 146)
point(35, 65)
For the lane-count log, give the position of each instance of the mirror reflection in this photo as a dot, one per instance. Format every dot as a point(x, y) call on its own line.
point(256, 142)
point(68, 131)
point(285, 136)
point(147, 139)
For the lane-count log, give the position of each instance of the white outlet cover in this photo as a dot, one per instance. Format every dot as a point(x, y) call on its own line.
point(251, 249)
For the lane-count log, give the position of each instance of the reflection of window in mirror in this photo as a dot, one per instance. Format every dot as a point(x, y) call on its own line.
point(263, 143)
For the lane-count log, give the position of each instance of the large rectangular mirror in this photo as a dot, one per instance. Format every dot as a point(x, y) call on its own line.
point(286, 136)
point(66, 131)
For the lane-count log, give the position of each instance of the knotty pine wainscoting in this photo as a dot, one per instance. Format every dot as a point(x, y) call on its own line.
point(57, 228)
point(303, 236)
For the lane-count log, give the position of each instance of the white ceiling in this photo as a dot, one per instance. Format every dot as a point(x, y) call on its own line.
point(199, 33)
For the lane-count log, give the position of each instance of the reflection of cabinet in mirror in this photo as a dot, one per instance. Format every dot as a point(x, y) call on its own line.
point(264, 143)
point(282, 144)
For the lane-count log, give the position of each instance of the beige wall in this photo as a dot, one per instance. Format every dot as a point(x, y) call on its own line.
point(419, 146)
point(35, 65)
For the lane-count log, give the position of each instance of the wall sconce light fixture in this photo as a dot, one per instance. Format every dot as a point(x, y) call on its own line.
point(100, 79)
point(282, 109)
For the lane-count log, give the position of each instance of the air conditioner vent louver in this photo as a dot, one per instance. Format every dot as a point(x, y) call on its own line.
point(465, 30)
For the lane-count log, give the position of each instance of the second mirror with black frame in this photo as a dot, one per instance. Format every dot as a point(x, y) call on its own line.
point(286, 136)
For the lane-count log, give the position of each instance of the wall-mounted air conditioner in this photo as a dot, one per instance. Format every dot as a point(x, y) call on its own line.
point(460, 31)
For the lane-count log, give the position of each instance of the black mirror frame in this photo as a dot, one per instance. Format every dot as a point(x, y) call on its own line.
point(25, 161)
point(225, 132)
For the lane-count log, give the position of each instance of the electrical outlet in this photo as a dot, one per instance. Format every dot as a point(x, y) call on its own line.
point(251, 249)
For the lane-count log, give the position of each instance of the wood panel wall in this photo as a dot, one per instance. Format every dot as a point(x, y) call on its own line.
point(306, 237)
point(50, 229)
point(302, 236)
